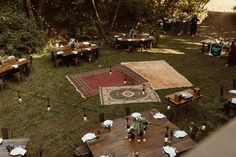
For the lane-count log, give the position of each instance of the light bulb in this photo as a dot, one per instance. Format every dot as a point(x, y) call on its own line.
point(168, 107)
point(166, 139)
point(85, 118)
point(49, 108)
point(203, 126)
point(143, 91)
point(20, 99)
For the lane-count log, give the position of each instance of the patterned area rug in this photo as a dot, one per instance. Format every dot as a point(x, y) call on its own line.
point(87, 84)
point(128, 94)
point(159, 74)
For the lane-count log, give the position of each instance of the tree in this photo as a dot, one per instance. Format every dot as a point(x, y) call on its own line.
point(19, 34)
point(99, 21)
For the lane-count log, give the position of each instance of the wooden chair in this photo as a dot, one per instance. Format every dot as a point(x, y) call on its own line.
point(30, 64)
point(58, 59)
point(19, 76)
point(101, 117)
point(5, 133)
point(3, 83)
point(82, 151)
point(76, 59)
point(40, 151)
point(127, 111)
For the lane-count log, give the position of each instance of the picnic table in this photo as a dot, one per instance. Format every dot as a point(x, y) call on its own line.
point(113, 141)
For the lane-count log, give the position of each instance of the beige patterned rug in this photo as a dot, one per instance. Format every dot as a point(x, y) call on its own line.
point(128, 94)
point(159, 74)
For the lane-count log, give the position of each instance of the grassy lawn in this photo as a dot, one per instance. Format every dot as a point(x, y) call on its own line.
point(30, 118)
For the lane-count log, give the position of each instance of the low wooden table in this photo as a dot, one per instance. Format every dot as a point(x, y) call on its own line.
point(171, 98)
point(15, 142)
point(114, 141)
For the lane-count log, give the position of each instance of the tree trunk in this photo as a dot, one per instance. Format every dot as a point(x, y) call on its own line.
point(99, 21)
point(29, 9)
point(40, 6)
point(114, 18)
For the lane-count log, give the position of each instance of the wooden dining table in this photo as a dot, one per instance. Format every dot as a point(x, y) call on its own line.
point(9, 66)
point(67, 50)
point(113, 141)
point(142, 41)
point(16, 142)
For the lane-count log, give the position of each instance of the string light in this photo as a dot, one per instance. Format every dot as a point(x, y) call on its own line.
point(110, 72)
point(143, 90)
point(85, 116)
point(125, 81)
point(48, 106)
point(203, 126)
point(19, 96)
point(168, 107)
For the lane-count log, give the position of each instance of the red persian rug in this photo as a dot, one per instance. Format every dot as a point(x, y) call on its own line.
point(87, 84)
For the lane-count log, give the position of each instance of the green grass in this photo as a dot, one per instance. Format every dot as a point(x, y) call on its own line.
point(30, 119)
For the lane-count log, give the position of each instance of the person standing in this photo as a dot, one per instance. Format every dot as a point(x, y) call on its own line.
point(232, 54)
point(193, 26)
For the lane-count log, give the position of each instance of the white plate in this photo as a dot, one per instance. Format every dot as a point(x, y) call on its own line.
point(93, 44)
point(88, 49)
point(18, 151)
point(170, 150)
point(180, 134)
point(159, 116)
point(108, 123)
point(186, 95)
point(14, 66)
point(136, 115)
point(233, 101)
point(85, 43)
point(21, 60)
point(75, 52)
point(119, 38)
point(60, 52)
point(88, 136)
point(232, 91)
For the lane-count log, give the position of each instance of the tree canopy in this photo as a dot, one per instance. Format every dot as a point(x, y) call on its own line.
point(24, 21)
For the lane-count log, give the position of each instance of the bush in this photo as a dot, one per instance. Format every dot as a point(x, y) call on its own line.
point(18, 34)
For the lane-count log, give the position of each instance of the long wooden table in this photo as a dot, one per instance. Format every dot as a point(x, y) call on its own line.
point(114, 141)
point(171, 98)
point(8, 66)
point(15, 142)
point(134, 42)
point(67, 50)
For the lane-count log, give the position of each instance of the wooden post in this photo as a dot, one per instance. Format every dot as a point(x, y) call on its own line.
point(221, 90)
point(234, 84)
